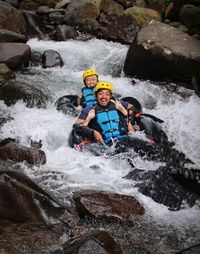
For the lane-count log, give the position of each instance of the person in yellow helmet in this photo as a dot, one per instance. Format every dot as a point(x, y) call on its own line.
point(86, 97)
point(108, 126)
point(108, 115)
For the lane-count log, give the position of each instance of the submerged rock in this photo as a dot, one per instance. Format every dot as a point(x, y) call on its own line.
point(13, 91)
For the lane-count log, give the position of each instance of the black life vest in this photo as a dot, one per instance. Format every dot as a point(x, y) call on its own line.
point(111, 121)
point(88, 98)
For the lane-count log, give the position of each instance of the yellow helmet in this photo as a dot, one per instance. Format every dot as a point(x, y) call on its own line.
point(89, 72)
point(103, 85)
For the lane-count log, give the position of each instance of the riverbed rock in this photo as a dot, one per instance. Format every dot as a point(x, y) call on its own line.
point(11, 19)
point(10, 150)
point(36, 59)
point(13, 91)
point(14, 55)
point(37, 25)
point(51, 58)
point(33, 5)
point(6, 73)
point(117, 28)
point(174, 8)
point(189, 15)
point(55, 239)
point(9, 36)
point(90, 242)
point(111, 206)
point(22, 200)
point(64, 32)
point(154, 55)
point(80, 12)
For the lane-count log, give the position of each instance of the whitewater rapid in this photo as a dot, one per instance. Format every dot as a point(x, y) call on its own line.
point(68, 170)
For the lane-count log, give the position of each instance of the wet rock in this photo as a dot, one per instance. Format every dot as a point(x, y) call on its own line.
point(22, 200)
point(36, 59)
point(191, 250)
point(55, 18)
point(12, 91)
point(14, 55)
point(62, 4)
point(111, 206)
point(80, 12)
point(11, 19)
point(111, 7)
point(5, 72)
point(90, 242)
point(42, 10)
point(31, 238)
point(33, 5)
point(117, 28)
point(154, 55)
point(189, 15)
point(51, 58)
point(43, 239)
point(172, 12)
point(64, 32)
point(10, 150)
point(9, 36)
point(36, 25)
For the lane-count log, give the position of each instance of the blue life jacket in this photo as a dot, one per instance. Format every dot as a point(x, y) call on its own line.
point(88, 98)
point(111, 121)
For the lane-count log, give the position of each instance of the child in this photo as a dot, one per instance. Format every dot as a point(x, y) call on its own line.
point(86, 97)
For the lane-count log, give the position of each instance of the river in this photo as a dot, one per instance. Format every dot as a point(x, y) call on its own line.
point(68, 170)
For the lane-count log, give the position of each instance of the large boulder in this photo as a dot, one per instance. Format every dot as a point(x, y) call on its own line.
point(81, 12)
point(161, 51)
point(22, 200)
point(116, 28)
point(14, 55)
point(12, 91)
point(189, 15)
point(11, 19)
point(111, 206)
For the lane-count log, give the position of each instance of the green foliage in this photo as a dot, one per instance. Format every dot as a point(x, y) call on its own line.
point(167, 2)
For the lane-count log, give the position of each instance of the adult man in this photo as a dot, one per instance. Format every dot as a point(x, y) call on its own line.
point(108, 117)
point(106, 124)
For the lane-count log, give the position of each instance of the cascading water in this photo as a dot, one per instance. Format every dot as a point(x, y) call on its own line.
point(68, 170)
